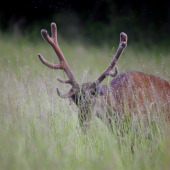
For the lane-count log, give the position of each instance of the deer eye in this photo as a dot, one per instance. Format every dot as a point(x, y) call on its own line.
point(93, 93)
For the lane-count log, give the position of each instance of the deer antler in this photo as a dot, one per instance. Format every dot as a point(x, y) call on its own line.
point(63, 64)
point(108, 71)
point(67, 95)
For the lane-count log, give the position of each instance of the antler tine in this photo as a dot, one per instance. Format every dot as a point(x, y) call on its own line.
point(63, 81)
point(67, 95)
point(108, 71)
point(54, 32)
point(45, 62)
point(115, 73)
point(63, 64)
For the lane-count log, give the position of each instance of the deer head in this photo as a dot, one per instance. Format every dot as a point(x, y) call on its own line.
point(83, 95)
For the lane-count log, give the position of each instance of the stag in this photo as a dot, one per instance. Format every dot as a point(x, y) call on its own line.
point(131, 93)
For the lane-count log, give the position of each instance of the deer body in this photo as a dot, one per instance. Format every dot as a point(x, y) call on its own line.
point(130, 93)
point(136, 92)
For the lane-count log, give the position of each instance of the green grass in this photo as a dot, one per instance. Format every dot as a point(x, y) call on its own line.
point(39, 130)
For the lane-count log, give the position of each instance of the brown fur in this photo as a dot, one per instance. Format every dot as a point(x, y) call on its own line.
point(137, 93)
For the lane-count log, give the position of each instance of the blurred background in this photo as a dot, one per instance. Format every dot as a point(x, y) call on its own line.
point(88, 32)
point(97, 21)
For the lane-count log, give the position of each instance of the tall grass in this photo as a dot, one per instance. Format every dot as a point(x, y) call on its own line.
point(39, 130)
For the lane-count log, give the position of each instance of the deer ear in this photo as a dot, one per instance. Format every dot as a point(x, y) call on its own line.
point(97, 88)
point(94, 84)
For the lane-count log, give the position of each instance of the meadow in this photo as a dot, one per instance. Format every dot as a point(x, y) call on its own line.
point(39, 130)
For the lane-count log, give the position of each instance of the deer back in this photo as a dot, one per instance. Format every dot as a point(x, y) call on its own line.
point(135, 92)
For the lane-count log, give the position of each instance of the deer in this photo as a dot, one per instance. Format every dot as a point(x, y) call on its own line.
point(131, 93)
